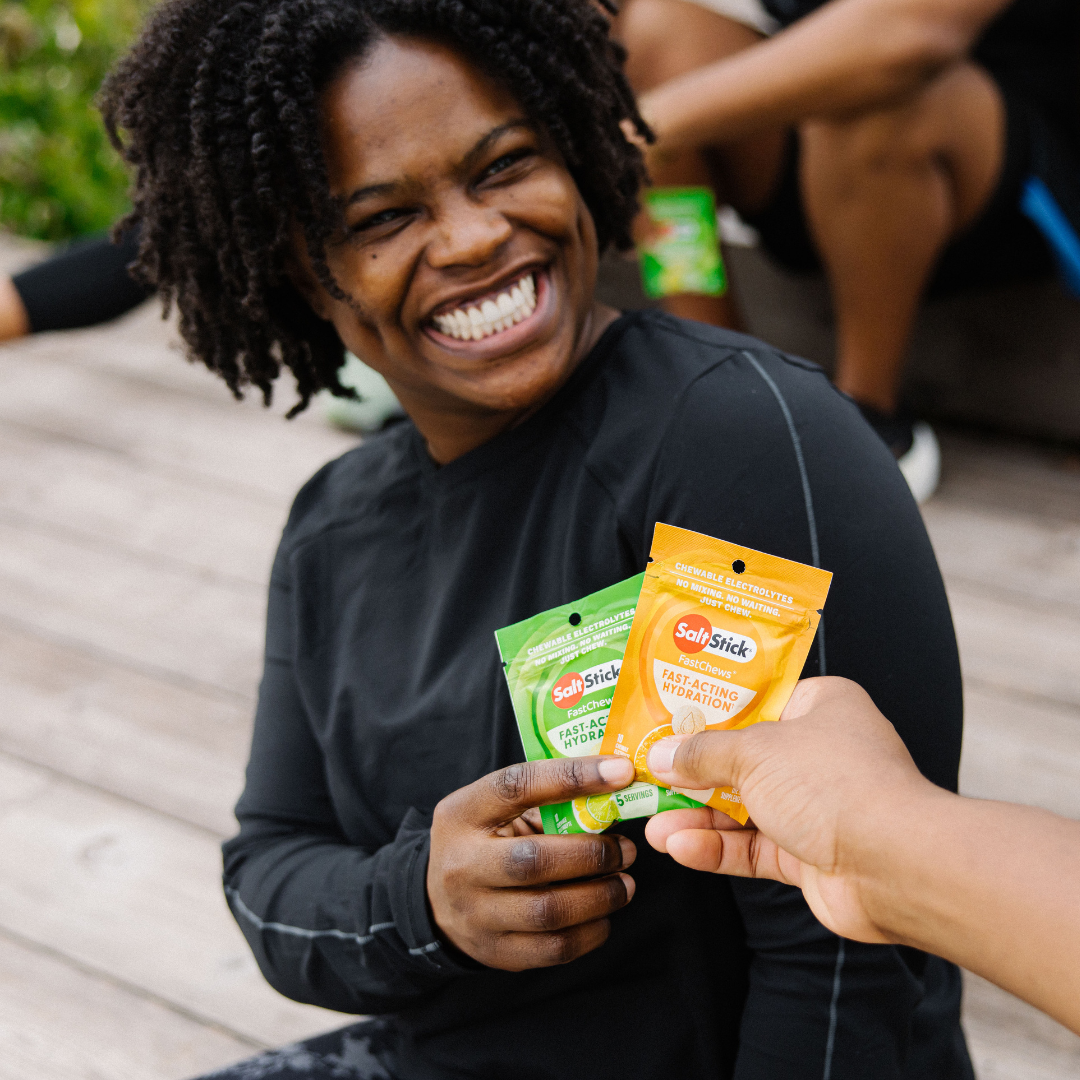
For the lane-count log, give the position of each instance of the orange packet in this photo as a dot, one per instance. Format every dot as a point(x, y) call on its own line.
point(719, 640)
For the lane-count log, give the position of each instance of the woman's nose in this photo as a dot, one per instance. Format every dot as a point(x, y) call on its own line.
point(468, 235)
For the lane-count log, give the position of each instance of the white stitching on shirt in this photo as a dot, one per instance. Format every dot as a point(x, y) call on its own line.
point(430, 947)
point(808, 497)
point(299, 931)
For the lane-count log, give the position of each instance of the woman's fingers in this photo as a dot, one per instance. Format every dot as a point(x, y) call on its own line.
point(557, 907)
point(494, 885)
point(513, 862)
point(521, 951)
point(498, 798)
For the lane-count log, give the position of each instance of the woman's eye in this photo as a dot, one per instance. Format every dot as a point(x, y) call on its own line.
point(383, 217)
point(501, 164)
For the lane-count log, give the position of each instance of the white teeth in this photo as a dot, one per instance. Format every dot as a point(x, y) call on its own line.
point(492, 316)
point(492, 322)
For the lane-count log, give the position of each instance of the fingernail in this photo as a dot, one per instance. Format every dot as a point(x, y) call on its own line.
point(615, 770)
point(629, 850)
point(630, 885)
point(661, 757)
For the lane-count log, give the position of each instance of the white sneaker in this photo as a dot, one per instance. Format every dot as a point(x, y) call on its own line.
point(921, 465)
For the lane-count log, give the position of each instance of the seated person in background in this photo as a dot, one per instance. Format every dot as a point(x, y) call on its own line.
point(430, 185)
point(885, 140)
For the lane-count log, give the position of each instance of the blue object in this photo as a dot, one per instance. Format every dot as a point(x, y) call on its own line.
point(1039, 204)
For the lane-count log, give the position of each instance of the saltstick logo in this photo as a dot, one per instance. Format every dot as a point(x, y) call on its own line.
point(694, 633)
point(568, 690)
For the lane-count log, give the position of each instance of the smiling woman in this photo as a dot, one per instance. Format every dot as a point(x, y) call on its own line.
point(458, 211)
point(430, 183)
point(239, 203)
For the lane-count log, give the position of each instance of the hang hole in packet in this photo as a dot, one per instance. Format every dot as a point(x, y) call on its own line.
point(719, 639)
point(562, 667)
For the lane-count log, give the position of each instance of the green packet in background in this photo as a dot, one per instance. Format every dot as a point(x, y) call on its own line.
point(680, 252)
point(561, 667)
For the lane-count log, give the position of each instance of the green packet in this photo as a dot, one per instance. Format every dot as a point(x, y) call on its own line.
point(561, 667)
point(680, 252)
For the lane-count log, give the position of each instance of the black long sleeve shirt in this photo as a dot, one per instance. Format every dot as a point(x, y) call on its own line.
point(382, 693)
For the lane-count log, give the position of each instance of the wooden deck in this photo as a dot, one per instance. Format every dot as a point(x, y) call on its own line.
point(139, 510)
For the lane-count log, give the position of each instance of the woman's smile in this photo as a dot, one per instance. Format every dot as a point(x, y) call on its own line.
point(497, 322)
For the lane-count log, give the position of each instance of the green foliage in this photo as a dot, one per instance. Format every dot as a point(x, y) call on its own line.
point(59, 177)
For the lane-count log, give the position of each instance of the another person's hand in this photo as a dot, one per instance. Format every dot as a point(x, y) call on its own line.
point(816, 785)
point(514, 899)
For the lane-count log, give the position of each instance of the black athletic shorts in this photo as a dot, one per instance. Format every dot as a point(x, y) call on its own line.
point(1001, 246)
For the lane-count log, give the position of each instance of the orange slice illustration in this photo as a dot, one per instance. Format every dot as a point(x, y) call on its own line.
point(642, 753)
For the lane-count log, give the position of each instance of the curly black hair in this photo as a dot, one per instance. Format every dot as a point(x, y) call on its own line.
point(215, 108)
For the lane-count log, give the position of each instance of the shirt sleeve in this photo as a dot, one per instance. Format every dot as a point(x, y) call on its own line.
point(781, 462)
point(330, 923)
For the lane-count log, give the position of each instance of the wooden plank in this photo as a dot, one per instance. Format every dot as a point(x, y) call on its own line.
point(175, 749)
point(166, 619)
point(141, 347)
point(1016, 556)
point(131, 505)
point(204, 437)
point(1020, 749)
point(60, 1023)
point(137, 896)
point(1009, 1040)
point(1019, 648)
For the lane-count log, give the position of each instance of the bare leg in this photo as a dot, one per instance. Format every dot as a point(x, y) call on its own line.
point(885, 191)
point(667, 38)
point(13, 319)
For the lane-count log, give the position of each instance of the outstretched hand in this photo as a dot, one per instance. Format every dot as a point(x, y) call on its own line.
point(811, 783)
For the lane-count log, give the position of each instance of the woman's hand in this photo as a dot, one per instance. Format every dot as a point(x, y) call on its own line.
point(512, 898)
point(817, 786)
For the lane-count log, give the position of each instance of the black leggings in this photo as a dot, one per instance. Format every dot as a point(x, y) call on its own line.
point(82, 285)
point(357, 1052)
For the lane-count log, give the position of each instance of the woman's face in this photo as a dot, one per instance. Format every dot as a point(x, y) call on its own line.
point(469, 258)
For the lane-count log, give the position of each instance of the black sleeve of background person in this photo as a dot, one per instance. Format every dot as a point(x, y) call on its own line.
point(887, 626)
point(83, 285)
point(329, 924)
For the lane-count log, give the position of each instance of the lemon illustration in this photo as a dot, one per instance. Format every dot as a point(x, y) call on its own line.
point(596, 812)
